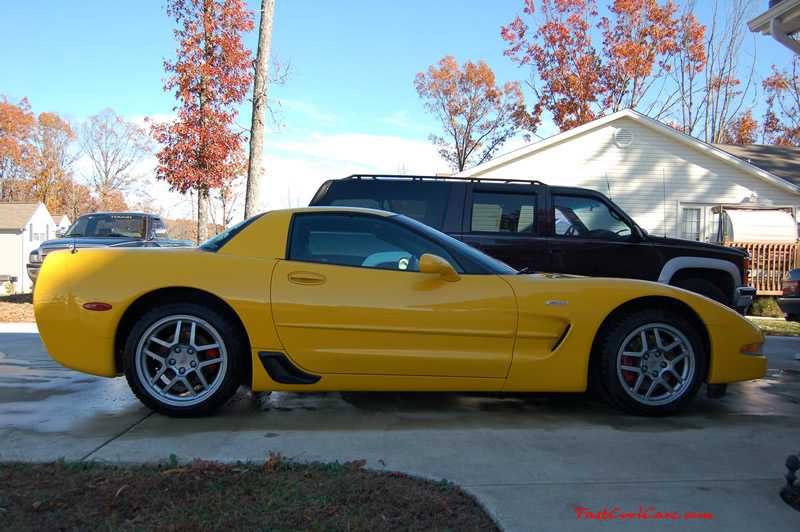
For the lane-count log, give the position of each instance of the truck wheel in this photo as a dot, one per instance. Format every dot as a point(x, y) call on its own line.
point(704, 288)
point(651, 362)
point(183, 360)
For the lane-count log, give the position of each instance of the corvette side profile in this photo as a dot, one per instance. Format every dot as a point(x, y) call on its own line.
point(349, 299)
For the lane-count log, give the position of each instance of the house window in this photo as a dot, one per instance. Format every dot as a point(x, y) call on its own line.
point(690, 225)
point(38, 232)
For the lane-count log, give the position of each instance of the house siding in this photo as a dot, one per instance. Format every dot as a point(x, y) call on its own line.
point(652, 178)
point(17, 244)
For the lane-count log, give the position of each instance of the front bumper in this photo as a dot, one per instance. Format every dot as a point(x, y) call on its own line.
point(33, 270)
point(744, 298)
point(791, 306)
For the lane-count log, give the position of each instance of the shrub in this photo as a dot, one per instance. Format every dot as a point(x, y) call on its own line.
point(765, 307)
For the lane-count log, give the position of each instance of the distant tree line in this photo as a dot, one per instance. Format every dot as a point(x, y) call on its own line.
point(39, 155)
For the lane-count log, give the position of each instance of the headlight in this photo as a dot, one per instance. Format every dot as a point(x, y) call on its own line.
point(34, 257)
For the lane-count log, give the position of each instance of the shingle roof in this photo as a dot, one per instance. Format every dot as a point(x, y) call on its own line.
point(16, 215)
point(781, 161)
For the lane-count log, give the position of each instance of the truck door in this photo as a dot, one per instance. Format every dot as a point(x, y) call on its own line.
point(590, 237)
point(505, 225)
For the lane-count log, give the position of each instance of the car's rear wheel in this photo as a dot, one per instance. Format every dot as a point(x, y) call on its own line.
point(183, 359)
point(652, 362)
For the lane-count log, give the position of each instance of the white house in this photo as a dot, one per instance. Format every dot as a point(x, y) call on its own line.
point(62, 221)
point(671, 183)
point(23, 226)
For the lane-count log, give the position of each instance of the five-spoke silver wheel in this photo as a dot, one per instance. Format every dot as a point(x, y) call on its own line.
point(183, 359)
point(651, 361)
point(655, 364)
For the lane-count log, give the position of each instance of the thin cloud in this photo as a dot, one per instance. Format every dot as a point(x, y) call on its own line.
point(310, 110)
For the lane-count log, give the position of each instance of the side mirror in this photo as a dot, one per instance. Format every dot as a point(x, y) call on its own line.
point(59, 233)
point(160, 233)
point(429, 263)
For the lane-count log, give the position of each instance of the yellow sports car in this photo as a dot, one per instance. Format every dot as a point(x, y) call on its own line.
point(356, 299)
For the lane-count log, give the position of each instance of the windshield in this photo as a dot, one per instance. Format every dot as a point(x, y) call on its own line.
point(108, 226)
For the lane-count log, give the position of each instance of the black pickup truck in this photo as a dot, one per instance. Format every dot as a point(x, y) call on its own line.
point(104, 229)
point(537, 227)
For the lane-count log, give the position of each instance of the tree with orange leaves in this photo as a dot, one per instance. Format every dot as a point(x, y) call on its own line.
point(18, 150)
point(782, 117)
point(212, 73)
point(637, 45)
point(574, 81)
point(53, 168)
point(561, 54)
point(477, 115)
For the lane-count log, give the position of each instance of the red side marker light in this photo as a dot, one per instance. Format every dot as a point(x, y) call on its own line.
point(97, 306)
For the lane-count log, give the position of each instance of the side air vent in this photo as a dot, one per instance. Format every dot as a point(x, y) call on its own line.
point(281, 370)
point(623, 137)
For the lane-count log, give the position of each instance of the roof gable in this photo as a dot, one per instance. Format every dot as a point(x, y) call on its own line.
point(17, 215)
point(658, 127)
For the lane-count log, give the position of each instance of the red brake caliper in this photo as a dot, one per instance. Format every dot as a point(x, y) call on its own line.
point(627, 375)
point(213, 353)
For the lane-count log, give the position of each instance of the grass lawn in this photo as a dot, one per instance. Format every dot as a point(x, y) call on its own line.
point(777, 327)
point(276, 495)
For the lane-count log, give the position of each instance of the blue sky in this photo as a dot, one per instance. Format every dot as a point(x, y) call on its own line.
point(351, 106)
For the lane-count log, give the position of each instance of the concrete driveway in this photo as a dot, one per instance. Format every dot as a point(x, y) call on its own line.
point(531, 459)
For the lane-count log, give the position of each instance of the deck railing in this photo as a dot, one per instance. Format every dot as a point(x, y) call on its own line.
point(768, 264)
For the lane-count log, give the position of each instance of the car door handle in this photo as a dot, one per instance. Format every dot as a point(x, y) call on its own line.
point(307, 278)
point(557, 250)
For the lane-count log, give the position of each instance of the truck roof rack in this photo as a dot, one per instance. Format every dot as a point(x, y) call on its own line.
point(444, 178)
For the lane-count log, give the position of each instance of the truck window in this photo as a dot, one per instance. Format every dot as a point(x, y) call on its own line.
point(497, 212)
point(588, 217)
point(424, 201)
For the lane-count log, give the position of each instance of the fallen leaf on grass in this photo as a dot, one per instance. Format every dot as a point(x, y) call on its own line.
point(176, 470)
point(356, 464)
point(442, 504)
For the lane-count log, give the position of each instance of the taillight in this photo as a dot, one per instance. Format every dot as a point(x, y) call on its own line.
point(747, 266)
point(791, 288)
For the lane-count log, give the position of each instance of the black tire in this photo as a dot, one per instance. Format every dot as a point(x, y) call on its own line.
point(704, 288)
point(652, 362)
point(183, 359)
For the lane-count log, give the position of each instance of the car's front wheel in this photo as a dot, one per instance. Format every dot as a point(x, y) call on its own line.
point(183, 359)
point(652, 362)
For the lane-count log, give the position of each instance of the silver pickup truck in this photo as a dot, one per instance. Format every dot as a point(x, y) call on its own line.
point(105, 229)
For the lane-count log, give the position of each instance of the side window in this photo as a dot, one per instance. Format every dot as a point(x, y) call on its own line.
point(588, 217)
point(498, 212)
point(424, 201)
point(359, 240)
point(416, 209)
